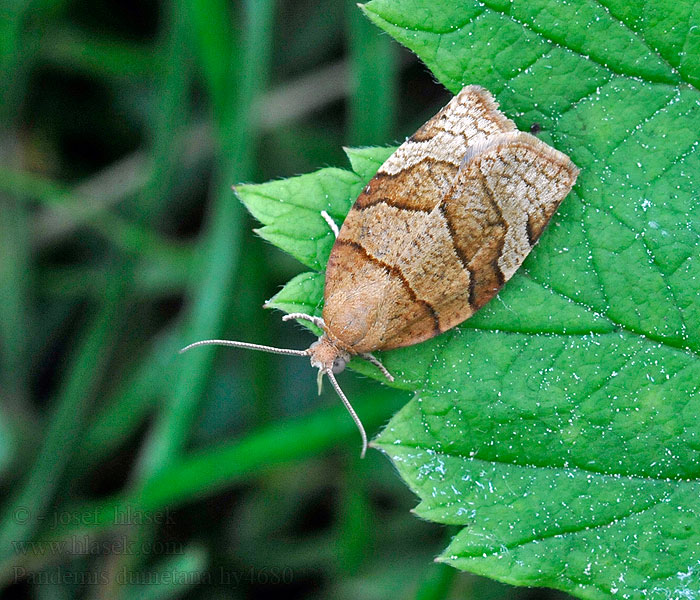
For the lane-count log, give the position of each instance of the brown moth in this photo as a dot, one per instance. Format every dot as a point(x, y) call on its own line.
point(445, 222)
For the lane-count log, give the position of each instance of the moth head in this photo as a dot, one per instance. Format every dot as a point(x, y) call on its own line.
point(328, 358)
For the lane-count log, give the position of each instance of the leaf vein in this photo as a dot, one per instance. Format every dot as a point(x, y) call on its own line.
point(640, 36)
point(568, 469)
point(575, 530)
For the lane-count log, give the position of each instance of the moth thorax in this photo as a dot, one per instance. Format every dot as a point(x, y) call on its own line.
point(350, 317)
point(326, 356)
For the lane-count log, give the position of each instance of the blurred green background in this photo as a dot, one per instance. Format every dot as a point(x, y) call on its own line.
point(129, 471)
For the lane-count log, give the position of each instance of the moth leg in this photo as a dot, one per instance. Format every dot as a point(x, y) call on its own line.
point(318, 321)
point(331, 223)
point(377, 363)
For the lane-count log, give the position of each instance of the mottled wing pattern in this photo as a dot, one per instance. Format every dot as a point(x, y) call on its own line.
point(412, 262)
point(422, 169)
point(499, 205)
point(410, 183)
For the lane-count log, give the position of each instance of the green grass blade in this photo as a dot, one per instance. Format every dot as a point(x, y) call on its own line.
point(78, 389)
point(77, 51)
point(374, 82)
point(208, 471)
point(220, 247)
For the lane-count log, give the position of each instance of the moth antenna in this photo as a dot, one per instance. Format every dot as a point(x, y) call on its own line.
point(318, 321)
point(331, 223)
point(351, 410)
point(247, 346)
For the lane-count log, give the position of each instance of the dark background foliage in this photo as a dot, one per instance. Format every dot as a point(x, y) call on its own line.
point(124, 125)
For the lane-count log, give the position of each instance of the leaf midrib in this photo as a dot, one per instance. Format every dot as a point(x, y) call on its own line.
point(576, 468)
point(567, 531)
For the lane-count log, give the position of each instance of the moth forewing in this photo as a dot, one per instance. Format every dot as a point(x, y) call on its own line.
point(425, 246)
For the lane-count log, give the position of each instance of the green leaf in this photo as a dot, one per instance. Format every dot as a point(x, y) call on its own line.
point(290, 210)
point(302, 294)
point(560, 426)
